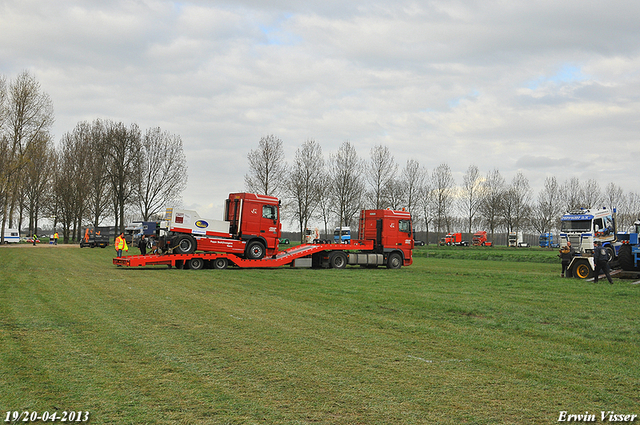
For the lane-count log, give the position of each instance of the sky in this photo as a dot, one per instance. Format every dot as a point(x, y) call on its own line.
point(546, 88)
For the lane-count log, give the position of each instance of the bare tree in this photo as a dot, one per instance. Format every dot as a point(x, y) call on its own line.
point(629, 211)
point(162, 174)
point(304, 185)
point(613, 196)
point(36, 177)
point(442, 184)
point(26, 113)
point(64, 185)
point(571, 193)
point(100, 195)
point(426, 202)
point(413, 178)
point(380, 174)
point(591, 194)
point(491, 204)
point(347, 186)
point(123, 157)
point(395, 194)
point(516, 203)
point(471, 195)
point(548, 209)
point(267, 168)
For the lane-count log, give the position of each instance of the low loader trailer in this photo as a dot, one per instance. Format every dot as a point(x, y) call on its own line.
point(306, 255)
point(385, 239)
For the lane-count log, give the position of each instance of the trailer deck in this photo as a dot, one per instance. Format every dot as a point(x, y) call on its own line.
point(282, 258)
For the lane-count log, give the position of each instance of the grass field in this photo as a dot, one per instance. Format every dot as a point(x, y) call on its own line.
point(452, 340)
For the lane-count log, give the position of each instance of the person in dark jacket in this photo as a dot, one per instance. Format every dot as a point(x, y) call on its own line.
point(566, 254)
point(142, 244)
point(601, 260)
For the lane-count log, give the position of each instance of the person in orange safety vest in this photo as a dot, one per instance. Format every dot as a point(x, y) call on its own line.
point(120, 245)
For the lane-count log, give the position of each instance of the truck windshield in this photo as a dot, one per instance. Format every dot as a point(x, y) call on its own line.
point(576, 226)
point(405, 226)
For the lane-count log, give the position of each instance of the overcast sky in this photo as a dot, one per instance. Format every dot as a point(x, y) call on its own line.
point(543, 87)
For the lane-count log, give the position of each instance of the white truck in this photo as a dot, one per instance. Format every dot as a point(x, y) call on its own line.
point(515, 240)
point(582, 228)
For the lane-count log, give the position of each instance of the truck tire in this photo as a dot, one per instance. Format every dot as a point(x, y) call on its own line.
point(394, 261)
point(611, 253)
point(185, 244)
point(338, 260)
point(626, 258)
point(196, 264)
point(582, 270)
point(255, 250)
point(220, 263)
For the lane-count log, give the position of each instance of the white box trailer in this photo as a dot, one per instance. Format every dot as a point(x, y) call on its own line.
point(11, 236)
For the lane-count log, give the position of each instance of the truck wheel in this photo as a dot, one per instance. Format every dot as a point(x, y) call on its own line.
point(394, 261)
point(196, 263)
point(255, 250)
point(611, 253)
point(338, 260)
point(220, 263)
point(185, 244)
point(626, 258)
point(582, 270)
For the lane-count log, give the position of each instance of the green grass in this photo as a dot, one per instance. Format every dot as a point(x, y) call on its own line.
point(447, 340)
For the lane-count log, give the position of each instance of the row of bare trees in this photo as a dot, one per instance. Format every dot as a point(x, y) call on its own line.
point(99, 171)
point(335, 191)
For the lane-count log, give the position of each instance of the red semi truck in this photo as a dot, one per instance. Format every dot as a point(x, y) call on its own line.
point(251, 228)
point(480, 239)
point(249, 235)
point(453, 239)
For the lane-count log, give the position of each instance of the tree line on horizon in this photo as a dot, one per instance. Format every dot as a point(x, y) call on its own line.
point(336, 189)
point(98, 170)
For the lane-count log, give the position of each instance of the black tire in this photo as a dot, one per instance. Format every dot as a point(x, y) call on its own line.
point(196, 264)
point(338, 260)
point(255, 250)
point(185, 244)
point(220, 263)
point(582, 270)
point(611, 253)
point(626, 258)
point(394, 261)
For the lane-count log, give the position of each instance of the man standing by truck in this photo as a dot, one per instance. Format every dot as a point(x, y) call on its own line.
point(601, 260)
point(120, 245)
point(566, 254)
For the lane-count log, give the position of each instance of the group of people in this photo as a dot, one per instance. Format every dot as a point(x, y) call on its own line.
point(54, 239)
point(600, 259)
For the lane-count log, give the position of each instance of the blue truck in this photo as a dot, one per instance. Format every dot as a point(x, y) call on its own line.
point(342, 235)
point(546, 241)
point(629, 250)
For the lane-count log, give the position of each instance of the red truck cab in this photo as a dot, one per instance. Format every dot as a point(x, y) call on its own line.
point(251, 228)
point(391, 232)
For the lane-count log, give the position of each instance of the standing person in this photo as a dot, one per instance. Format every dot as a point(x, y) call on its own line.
point(120, 245)
point(35, 237)
point(566, 254)
point(55, 238)
point(601, 258)
point(142, 244)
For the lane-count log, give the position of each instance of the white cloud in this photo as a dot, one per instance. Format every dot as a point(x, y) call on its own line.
point(543, 87)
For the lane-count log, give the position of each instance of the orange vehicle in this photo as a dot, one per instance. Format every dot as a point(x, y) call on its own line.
point(453, 239)
point(251, 228)
point(480, 239)
point(385, 239)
